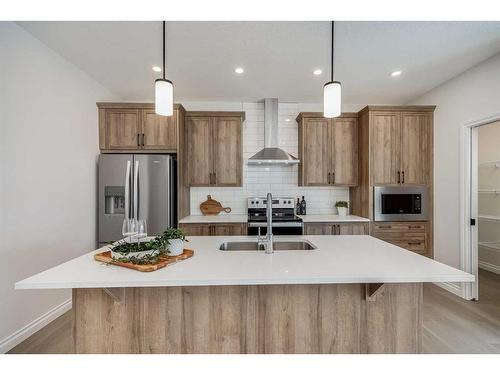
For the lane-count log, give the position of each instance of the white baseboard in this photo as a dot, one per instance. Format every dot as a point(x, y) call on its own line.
point(489, 267)
point(22, 334)
point(454, 288)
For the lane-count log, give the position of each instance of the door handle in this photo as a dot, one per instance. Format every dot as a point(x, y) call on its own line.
point(127, 191)
point(403, 173)
point(399, 177)
point(136, 190)
point(329, 178)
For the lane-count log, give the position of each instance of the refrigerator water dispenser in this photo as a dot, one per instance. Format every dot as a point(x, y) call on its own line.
point(114, 200)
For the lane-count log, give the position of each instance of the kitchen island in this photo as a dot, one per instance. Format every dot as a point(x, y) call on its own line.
point(353, 294)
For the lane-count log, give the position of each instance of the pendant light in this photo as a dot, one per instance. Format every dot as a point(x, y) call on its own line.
point(332, 91)
point(164, 90)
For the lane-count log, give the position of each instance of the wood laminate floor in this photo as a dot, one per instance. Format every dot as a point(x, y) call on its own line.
point(451, 324)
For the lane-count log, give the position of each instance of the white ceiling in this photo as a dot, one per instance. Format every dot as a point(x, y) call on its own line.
point(278, 57)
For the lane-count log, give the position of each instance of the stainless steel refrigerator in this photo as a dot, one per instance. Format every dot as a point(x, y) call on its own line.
point(135, 185)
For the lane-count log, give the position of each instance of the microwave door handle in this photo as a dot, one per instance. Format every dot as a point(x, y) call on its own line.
point(127, 191)
point(136, 190)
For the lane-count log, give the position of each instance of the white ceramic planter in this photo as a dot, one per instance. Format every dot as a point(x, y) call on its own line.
point(136, 254)
point(175, 247)
point(342, 211)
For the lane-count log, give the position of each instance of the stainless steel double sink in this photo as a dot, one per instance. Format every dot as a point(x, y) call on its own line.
point(255, 246)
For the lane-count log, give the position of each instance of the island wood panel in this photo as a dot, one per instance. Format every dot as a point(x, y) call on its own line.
point(344, 135)
point(228, 152)
point(415, 147)
point(326, 318)
point(196, 229)
point(385, 147)
point(122, 129)
point(198, 150)
point(159, 132)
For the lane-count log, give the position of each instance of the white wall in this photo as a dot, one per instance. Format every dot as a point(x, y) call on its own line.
point(48, 153)
point(259, 180)
point(471, 96)
point(489, 204)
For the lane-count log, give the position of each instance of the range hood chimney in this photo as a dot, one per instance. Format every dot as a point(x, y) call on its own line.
point(271, 153)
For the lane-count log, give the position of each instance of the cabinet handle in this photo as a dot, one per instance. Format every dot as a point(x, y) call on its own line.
point(210, 178)
point(329, 178)
point(143, 136)
point(385, 226)
point(333, 178)
point(399, 177)
point(414, 242)
point(414, 226)
point(215, 178)
point(403, 173)
point(138, 140)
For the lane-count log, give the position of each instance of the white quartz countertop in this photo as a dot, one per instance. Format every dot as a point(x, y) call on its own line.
point(333, 219)
point(224, 218)
point(221, 218)
point(338, 260)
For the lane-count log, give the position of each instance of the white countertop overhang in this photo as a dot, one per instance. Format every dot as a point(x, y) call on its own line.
point(338, 260)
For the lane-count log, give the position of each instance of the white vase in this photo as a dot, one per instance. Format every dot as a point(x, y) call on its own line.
point(342, 211)
point(175, 247)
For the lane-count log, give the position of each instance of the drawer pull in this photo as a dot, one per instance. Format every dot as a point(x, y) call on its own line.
point(414, 242)
point(415, 227)
point(385, 226)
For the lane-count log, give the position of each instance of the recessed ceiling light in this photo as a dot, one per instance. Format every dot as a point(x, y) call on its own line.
point(156, 69)
point(317, 72)
point(287, 120)
point(239, 70)
point(396, 73)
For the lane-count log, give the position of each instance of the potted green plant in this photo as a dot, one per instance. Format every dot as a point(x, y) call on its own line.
point(342, 207)
point(173, 240)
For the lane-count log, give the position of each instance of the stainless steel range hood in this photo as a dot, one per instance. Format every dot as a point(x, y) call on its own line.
point(271, 153)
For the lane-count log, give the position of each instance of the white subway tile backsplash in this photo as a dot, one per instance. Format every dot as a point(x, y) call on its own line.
point(258, 180)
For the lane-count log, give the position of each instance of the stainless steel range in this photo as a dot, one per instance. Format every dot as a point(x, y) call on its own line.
point(284, 222)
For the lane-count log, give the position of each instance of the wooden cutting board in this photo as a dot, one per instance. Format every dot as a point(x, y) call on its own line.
point(105, 257)
point(212, 207)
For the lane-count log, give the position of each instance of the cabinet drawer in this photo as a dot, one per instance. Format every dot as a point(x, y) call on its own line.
point(400, 227)
point(416, 242)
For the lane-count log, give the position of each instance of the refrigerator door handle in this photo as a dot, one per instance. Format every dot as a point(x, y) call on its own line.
point(127, 191)
point(136, 190)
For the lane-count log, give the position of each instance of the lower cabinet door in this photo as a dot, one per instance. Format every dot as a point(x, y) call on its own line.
point(196, 229)
point(237, 229)
point(336, 229)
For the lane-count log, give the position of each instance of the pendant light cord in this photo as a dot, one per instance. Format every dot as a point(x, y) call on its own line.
point(333, 42)
point(163, 69)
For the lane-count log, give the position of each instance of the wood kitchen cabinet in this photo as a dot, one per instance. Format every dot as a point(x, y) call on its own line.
point(400, 152)
point(223, 229)
point(328, 150)
point(412, 236)
point(336, 228)
point(135, 127)
point(395, 149)
point(214, 148)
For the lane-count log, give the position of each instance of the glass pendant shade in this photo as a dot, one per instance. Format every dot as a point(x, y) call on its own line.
point(164, 97)
point(332, 93)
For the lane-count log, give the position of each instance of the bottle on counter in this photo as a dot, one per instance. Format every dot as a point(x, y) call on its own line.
point(303, 206)
point(298, 208)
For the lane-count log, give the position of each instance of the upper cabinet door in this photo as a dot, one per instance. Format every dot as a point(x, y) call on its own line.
point(227, 151)
point(385, 147)
point(345, 151)
point(198, 151)
point(416, 151)
point(122, 129)
point(316, 152)
point(158, 132)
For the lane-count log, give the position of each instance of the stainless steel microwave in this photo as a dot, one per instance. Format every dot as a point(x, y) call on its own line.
point(400, 203)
